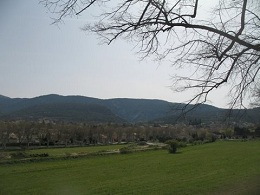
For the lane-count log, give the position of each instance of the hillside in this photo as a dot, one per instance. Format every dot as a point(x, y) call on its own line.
point(119, 110)
point(139, 110)
point(71, 112)
point(56, 107)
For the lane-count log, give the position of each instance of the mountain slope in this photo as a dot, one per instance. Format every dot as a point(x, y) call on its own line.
point(70, 112)
point(56, 107)
point(139, 110)
point(87, 109)
point(13, 105)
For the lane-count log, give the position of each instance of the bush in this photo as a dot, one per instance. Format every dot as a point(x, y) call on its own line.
point(18, 155)
point(172, 146)
point(142, 143)
point(182, 144)
point(4, 156)
point(127, 149)
point(39, 155)
point(124, 150)
point(197, 142)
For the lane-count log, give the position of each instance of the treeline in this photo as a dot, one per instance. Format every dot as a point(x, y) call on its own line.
point(26, 134)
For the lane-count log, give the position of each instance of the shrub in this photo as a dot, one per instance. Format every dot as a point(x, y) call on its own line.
point(18, 155)
point(197, 142)
point(172, 146)
point(182, 144)
point(124, 150)
point(142, 143)
point(4, 156)
point(39, 155)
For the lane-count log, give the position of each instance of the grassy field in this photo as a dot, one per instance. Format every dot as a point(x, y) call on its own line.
point(79, 150)
point(215, 168)
point(10, 155)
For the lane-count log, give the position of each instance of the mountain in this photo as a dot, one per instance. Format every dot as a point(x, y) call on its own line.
point(56, 107)
point(2, 97)
point(67, 112)
point(138, 110)
point(119, 110)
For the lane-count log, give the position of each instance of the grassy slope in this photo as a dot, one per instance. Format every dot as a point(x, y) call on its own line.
point(222, 167)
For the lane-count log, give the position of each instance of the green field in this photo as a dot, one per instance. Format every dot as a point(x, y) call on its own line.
point(54, 153)
point(215, 168)
point(79, 150)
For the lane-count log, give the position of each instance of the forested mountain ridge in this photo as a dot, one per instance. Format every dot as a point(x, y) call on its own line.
point(118, 110)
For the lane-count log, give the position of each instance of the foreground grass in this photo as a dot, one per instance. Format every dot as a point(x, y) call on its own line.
point(217, 168)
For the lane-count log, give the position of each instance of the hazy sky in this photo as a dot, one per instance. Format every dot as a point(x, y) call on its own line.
point(37, 58)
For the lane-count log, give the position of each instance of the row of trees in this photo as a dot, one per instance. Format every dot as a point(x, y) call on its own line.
point(24, 133)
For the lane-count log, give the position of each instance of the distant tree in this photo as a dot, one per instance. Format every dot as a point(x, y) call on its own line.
point(202, 134)
point(257, 131)
point(29, 132)
point(195, 136)
point(41, 132)
point(223, 49)
point(79, 135)
point(228, 132)
point(48, 133)
point(4, 133)
point(19, 129)
point(241, 131)
point(172, 146)
point(119, 133)
point(66, 134)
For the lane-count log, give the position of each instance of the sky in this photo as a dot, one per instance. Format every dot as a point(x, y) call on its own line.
point(38, 58)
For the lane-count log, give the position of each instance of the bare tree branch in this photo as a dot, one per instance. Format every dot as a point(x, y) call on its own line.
point(224, 50)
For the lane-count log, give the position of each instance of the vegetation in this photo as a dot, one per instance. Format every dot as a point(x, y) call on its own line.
point(26, 134)
point(78, 109)
point(14, 156)
point(172, 146)
point(224, 167)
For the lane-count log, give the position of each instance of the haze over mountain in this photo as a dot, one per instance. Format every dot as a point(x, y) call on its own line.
point(119, 110)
